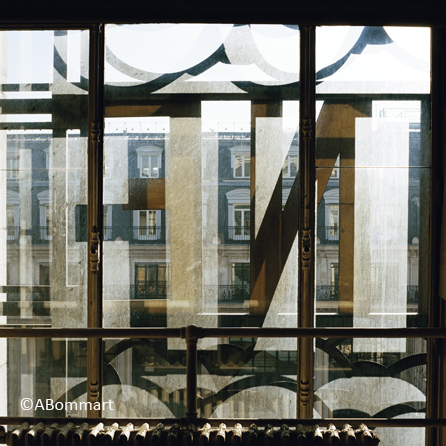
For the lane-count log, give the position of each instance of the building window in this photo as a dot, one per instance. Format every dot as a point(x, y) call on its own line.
point(240, 281)
point(150, 281)
point(44, 274)
point(332, 215)
point(344, 125)
point(241, 161)
point(12, 165)
point(147, 225)
point(149, 161)
point(242, 221)
point(12, 215)
point(107, 218)
point(45, 215)
point(335, 171)
point(290, 165)
point(46, 151)
point(239, 214)
point(334, 281)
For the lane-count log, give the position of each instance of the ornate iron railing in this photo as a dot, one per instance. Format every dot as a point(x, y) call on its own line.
point(239, 234)
point(136, 234)
point(327, 292)
point(412, 294)
point(331, 235)
point(228, 293)
point(149, 290)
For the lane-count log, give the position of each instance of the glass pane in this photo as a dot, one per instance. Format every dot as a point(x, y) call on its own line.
point(247, 166)
point(145, 169)
point(43, 228)
point(192, 95)
point(43, 198)
point(266, 384)
point(373, 189)
point(238, 170)
point(44, 377)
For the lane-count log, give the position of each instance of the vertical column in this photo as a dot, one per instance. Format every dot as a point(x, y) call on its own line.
point(265, 212)
point(184, 216)
point(60, 315)
point(95, 186)
point(305, 349)
point(3, 232)
point(436, 358)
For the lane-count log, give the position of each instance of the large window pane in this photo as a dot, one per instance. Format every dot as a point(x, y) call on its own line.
point(43, 198)
point(45, 378)
point(373, 189)
point(200, 173)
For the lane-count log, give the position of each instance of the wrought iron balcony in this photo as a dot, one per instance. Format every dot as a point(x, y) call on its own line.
point(136, 234)
point(227, 293)
point(331, 292)
point(412, 294)
point(327, 292)
point(331, 235)
point(239, 234)
point(12, 233)
point(149, 290)
point(45, 234)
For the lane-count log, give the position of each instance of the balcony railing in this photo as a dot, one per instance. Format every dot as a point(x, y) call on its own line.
point(331, 235)
point(40, 234)
point(149, 290)
point(192, 334)
point(12, 233)
point(331, 292)
point(327, 292)
point(239, 234)
point(136, 234)
point(227, 293)
point(412, 294)
point(45, 233)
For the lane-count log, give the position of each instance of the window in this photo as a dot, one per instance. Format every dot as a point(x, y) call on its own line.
point(108, 222)
point(146, 225)
point(240, 275)
point(358, 166)
point(242, 221)
point(290, 166)
point(44, 274)
point(45, 214)
point(12, 165)
point(335, 172)
point(13, 216)
point(332, 215)
point(150, 281)
point(239, 220)
point(46, 151)
point(149, 161)
point(334, 281)
point(241, 161)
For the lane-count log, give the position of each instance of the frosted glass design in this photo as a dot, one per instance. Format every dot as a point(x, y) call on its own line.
point(214, 154)
point(372, 189)
point(194, 58)
point(43, 199)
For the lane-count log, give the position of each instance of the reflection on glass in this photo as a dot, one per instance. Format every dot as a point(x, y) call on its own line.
point(185, 245)
point(43, 180)
point(373, 180)
point(50, 373)
point(353, 384)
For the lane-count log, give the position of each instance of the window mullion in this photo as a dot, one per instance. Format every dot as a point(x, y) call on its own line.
point(435, 347)
point(95, 213)
point(307, 127)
